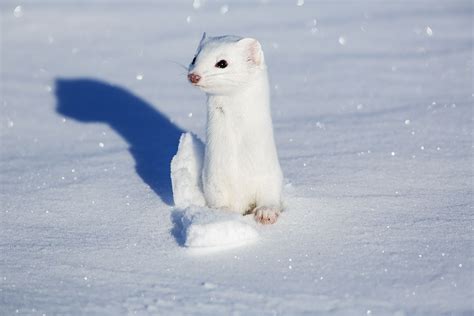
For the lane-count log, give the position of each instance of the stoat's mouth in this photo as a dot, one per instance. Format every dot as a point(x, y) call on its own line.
point(198, 85)
point(195, 84)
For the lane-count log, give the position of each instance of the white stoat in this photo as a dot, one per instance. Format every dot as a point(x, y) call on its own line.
point(241, 171)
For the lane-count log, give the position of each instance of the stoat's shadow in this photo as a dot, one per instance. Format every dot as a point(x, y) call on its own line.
point(152, 138)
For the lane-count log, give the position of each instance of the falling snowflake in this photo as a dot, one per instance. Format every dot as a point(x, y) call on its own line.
point(429, 31)
point(224, 9)
point(18, 11)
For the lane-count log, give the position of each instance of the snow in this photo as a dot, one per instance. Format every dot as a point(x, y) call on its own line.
point(87, 228)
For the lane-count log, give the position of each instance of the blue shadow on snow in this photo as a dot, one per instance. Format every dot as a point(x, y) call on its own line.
point(152, 138)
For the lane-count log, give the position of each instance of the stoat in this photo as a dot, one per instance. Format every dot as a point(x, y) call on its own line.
point(240, 171)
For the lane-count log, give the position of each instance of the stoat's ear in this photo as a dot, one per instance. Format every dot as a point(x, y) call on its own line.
point(254, 50)
point(203, 38)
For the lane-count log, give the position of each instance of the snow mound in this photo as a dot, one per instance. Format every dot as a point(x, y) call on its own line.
point(199, 227)
point(186, 168)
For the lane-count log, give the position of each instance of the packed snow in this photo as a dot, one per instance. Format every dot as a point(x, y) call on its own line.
point(372, 110)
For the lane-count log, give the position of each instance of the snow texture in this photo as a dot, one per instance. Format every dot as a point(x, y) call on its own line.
point(372, 109)
point(186, 169)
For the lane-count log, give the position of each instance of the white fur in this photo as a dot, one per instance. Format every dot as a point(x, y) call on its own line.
point(186, 168)
point(207, 228)
point(241, 170)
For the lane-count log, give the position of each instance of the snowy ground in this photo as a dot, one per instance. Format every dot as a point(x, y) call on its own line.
point(372, 107)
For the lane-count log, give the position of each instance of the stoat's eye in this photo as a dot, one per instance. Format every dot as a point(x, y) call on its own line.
point(194, 61)
point(221, 64)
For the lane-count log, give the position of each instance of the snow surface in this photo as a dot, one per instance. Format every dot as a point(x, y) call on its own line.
point(372, 107)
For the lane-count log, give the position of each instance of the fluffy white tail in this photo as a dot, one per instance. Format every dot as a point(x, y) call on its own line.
point(186, 168)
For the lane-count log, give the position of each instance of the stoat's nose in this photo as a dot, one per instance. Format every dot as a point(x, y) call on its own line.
point(194, 78)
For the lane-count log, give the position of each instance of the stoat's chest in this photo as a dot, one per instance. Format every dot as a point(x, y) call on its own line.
point(225, 127)
point(237, 132)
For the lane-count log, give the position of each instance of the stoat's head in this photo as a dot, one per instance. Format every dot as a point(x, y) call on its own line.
point(225, 63)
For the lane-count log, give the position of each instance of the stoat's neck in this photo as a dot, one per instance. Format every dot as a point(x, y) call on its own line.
point(253, 98)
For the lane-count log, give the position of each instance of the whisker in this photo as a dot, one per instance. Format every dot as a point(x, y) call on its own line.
point(227, 80)
point(179, 64)
point(220, 74)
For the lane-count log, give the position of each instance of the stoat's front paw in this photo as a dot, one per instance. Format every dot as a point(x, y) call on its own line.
point(266, 215)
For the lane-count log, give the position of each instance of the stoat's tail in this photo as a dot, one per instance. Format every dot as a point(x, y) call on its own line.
point(186, 169)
